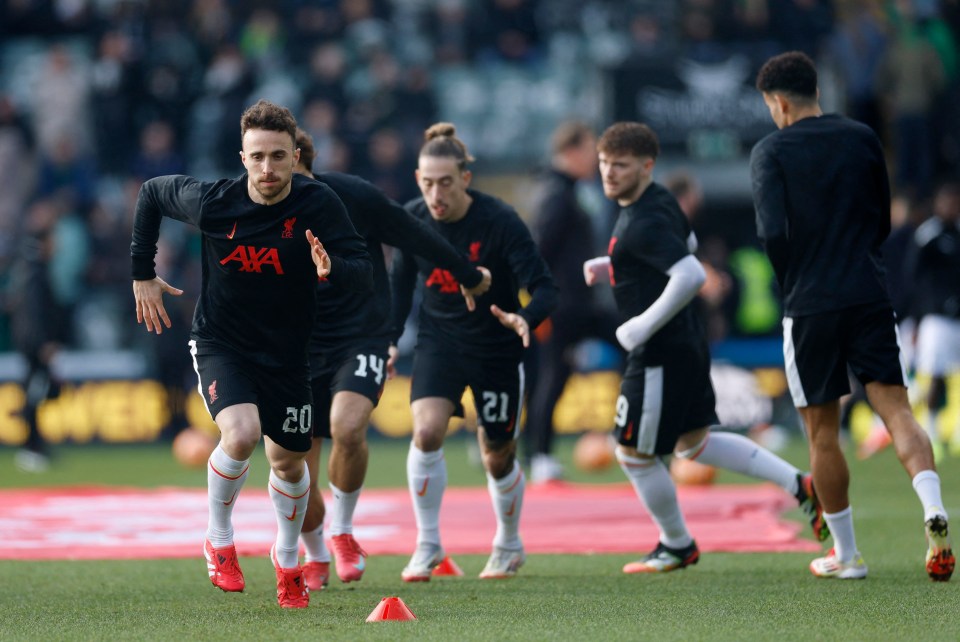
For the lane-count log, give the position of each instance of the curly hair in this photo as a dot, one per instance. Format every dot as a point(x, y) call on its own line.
point(269, 116)
point(631, 138)
point(791, 73)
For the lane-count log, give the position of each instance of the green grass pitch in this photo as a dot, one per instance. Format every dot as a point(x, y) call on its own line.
point(555, 597)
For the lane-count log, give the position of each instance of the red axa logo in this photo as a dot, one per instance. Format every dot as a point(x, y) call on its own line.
point(613, 242)
point(288, 228)
point(252, 259)
point(475, 251)
point(445, 281)
point(212, 392)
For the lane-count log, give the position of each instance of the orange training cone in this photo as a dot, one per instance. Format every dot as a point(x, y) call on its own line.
point(391, 609)
point(447, 567)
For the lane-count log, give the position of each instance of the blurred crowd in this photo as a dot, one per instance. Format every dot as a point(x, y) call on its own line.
point(97, 96)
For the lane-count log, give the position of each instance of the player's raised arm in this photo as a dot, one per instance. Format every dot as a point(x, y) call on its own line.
point(532, 273)
point(338, 250)
point(173, 196)
point(686, 276)
point(401, 229)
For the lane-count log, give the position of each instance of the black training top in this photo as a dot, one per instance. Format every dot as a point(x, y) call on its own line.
point(257, 297)
point(650, 236)
point(342, 315)
point(564, 234)
point(822, 199)
point(934, 269)
point(493, 236)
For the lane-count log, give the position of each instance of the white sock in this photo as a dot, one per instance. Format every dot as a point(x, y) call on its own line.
point(314, 546)
point(427, 478)
point(341, 511)
point(741, 455)
point(841, 527)
point(507, 497)
point(927, 485)
point(651, 480)
point(225, 477)
point(290, 503)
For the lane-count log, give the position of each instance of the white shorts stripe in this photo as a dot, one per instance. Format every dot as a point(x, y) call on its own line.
point(196, 368)
point(520, 389)
point(652, 407)
point(901, 354)
point(790, 364)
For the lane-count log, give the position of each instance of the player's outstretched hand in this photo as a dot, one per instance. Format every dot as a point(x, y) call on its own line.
point(392, 353)
point(597, 270)
point(320, 257)
point(515, 322)
point(149, 298)
point(478, 289)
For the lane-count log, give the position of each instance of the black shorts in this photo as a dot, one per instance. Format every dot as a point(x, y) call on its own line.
point(818, 348)
point(497, 386)
point(361, 368)
point(282, 395)
point(662, 399)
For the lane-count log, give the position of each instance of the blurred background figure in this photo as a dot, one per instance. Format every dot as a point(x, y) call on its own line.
point(935, 275)
point(564, 232)
point(38, 330)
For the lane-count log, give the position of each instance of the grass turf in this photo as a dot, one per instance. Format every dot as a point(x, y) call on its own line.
point(724, 597)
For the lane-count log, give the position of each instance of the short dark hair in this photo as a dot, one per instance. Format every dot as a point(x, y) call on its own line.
point(308, 152)
point(629, 138)
point(269, 116)
point(791, 73)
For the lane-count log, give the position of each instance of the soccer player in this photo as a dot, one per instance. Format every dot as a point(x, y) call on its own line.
point(262, 255)
point(564, 234)
point(666, 403)
point(822, 199)
point(935, 277)
point(457, 348)
point(348, 353)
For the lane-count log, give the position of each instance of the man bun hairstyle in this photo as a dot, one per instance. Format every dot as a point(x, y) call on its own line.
point(629, 138)
point(308, 152)
point(792, 73)
point(440, 139)
point(268, 116)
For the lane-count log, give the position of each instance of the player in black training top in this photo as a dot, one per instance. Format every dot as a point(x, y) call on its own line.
point(822, 199)
point(348, 354)
point(262, 257)
point(456, 348)
point(666, 402)
point(933, 272)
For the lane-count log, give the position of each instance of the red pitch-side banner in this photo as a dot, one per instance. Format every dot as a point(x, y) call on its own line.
point(129, 523)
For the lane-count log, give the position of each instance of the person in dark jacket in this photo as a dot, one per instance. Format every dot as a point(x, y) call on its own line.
point(564, 233)
point(38, 328)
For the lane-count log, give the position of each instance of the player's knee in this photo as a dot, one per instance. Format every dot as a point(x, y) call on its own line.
point(630, 456)
point(691, 444)
point(428, 438)
point(498, 459)
point(349, 435)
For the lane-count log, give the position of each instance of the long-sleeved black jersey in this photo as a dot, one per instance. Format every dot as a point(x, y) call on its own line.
point(493, 236)
point(934, 269)
point(341, 314)
point(822, 199)
point(650, 236)
point(257, 297)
